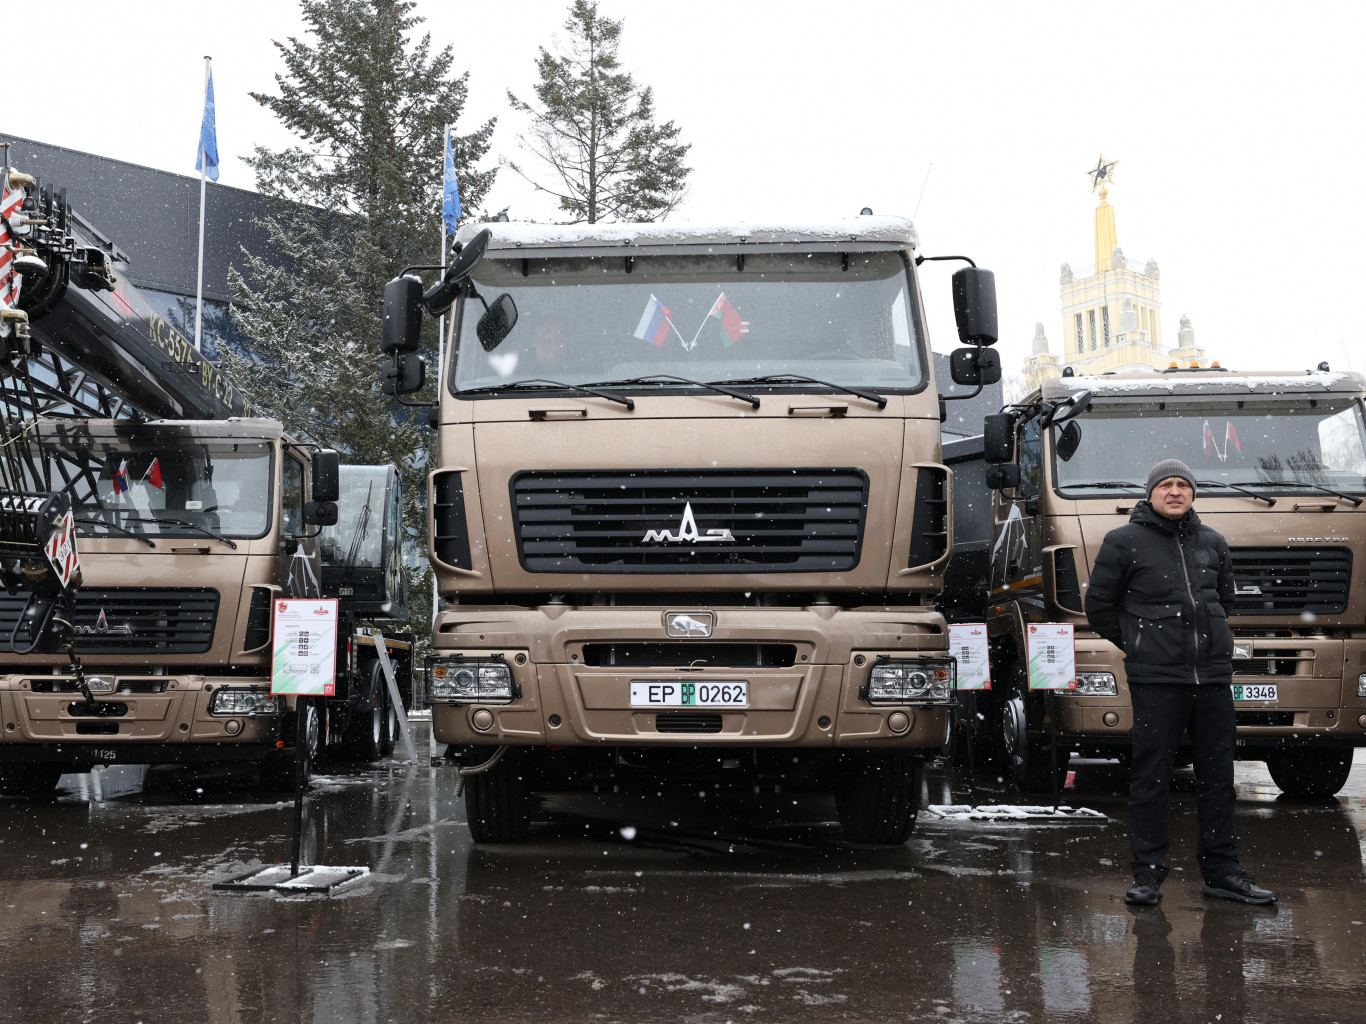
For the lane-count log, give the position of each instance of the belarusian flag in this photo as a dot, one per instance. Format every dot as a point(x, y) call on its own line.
point(729, 318)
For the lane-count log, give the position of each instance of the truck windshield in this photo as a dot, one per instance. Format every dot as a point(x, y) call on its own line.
point(1272, 446)
point(156, 481)
point(847, 319)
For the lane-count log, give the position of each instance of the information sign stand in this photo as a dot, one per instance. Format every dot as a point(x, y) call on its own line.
point(968, 645)
point(1052, 666)
point(304, 665)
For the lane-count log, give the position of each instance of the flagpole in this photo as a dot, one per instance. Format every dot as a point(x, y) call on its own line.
point(203, 184)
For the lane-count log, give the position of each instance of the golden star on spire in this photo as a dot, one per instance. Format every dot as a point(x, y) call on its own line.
point(1103, 174)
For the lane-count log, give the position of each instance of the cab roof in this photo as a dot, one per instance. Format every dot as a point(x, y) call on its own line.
point(853, 233)
point(1206, 382)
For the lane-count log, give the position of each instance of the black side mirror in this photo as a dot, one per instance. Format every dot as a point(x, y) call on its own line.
point(1002, 478)
point(1068, 441)
point(326, 475)
point(1074, 406)
point(320, 513)
point(998, 438)
point(439, 297)
point(402, 316)
point(974, 305)
point(403, 376)
point(975, 367)
point(497, 322)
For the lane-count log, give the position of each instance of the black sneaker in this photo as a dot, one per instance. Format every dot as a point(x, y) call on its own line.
point(1238, 886)
point(1145, 892)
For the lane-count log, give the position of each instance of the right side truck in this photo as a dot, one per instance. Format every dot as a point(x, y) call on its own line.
point(1281, 462)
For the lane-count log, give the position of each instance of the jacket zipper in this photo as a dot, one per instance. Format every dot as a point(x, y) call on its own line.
point(1195, 612)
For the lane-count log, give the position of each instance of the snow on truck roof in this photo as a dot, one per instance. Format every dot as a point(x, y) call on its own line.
point(852, 232)
point(1210, 382)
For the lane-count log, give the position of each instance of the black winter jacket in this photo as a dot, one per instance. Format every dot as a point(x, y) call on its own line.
point(1161, 591)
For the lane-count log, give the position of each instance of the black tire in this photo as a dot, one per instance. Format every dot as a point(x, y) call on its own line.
point(277, 774)
point(32, 780)
point(1310, 774)
point(498, 801)
point(877, 795)
point(1028, 760)
point(364, 736)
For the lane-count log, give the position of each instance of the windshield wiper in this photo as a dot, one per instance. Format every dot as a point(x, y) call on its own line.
point(1317, 487)
point(794, 378)
point(116, 526)
point(535, 383)
point(1237, 487)
point(182, 522)
point(658, 377)
point(1108, 485)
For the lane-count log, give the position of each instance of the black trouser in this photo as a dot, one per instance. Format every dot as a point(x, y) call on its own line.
point(1161, 713)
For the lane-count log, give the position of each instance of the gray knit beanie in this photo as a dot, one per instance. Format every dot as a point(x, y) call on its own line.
point(1166, 468)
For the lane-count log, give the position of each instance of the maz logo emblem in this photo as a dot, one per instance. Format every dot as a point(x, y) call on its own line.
point(687, 532)
point(102, 628)
point(686, 624)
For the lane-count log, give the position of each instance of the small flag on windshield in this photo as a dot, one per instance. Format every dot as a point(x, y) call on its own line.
point(729, 318)
point(1231, 436)
point(121, 478)
point(154, 474)
point(654, 323)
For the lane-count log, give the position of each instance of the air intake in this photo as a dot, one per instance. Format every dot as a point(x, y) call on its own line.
point(688, 723)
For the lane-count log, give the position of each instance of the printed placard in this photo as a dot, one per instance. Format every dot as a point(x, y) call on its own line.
point(968, 645)
point(305, 648)
point(1052, 656)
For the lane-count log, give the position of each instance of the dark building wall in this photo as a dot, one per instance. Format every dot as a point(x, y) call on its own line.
point(153, 216)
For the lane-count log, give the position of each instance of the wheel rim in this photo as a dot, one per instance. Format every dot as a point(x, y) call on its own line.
point(377, 726)
point(1012, 727)
point(312, 735)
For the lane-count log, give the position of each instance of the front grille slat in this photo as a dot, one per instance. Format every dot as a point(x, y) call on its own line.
point(1275, 580)
point(808, 520)
point(683, 722)
point(165, 620)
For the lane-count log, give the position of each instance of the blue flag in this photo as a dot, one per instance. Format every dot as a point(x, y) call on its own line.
point(450, 202)
point(208, 136)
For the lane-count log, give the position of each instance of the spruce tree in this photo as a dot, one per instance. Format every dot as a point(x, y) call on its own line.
point(352, 204)
point(594, 129)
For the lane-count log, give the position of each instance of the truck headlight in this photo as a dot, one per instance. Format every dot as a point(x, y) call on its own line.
point(465, 679)
point(248, 703)
point(910, 682)
point(1096, 684)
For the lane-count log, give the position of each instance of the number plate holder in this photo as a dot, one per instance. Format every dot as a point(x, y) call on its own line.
point(689, 693)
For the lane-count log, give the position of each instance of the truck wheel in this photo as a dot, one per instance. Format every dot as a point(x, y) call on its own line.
point(498, 801)
point(877, 795)
point(364, 738)
point(1310, 774)
point(391, 730)
point(1031, 768)
point(277, 773)
point(29, 779)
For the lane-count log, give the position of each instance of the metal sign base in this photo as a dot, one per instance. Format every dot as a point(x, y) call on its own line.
point(277, 878)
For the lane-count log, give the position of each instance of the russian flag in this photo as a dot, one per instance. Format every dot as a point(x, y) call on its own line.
point(654, 323)
point(121, 483)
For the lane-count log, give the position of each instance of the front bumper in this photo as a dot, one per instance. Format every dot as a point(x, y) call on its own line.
point(813, 702)
point(161, 715)
point(1315, 677)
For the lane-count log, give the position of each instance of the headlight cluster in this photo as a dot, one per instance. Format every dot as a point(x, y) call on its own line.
point(465, 679)
point(1096, 684)
point(910, 682)
point(250, 703)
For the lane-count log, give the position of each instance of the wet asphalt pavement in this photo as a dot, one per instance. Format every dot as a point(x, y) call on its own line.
point(633, 909)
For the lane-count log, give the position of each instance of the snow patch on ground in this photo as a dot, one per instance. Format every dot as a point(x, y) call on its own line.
point(1013, 812)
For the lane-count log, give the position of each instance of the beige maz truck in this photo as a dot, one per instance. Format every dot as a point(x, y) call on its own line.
point(186, 532)
point(1280, 461)
point(689, 516)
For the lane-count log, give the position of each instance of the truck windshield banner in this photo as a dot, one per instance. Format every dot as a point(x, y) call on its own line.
point(305, 648)
point(1052, 656)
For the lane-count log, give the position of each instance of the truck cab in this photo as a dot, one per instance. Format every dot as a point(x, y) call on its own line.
point(689, 518)
point(1280, 460)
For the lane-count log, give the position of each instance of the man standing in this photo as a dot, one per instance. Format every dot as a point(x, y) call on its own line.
point(1161, 590)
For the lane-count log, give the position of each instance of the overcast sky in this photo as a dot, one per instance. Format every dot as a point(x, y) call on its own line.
point(1237, 127)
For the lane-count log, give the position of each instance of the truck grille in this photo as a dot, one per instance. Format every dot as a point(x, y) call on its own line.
point(1273, 581)
point(136, 620)
point(766, 520)
point(682, 722)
